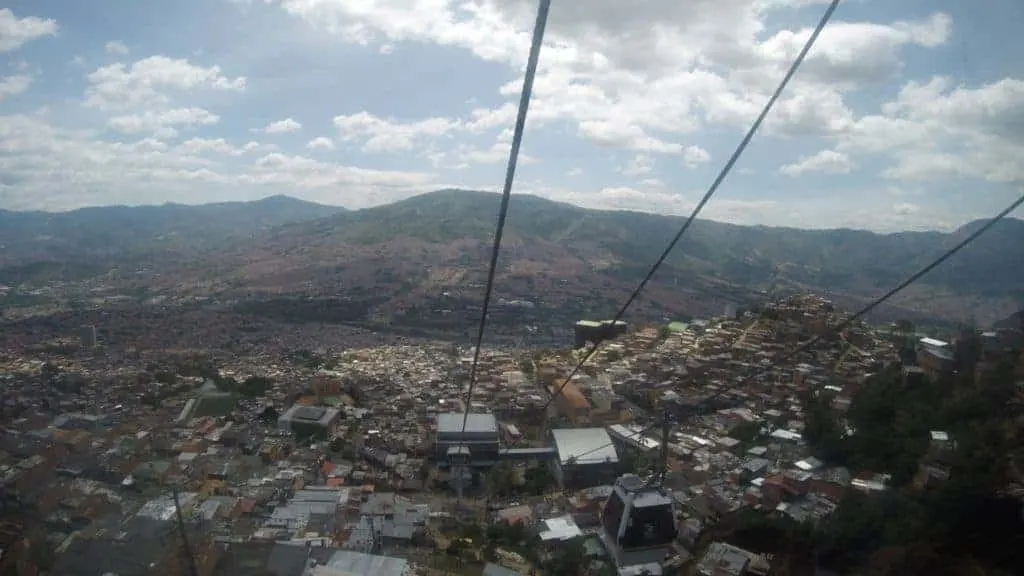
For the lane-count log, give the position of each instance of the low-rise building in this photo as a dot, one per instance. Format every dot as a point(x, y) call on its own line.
point(586, 457)
point(476, 444)
point(309, 420)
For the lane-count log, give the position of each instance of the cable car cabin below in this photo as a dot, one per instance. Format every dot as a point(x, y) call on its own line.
point(639, 524)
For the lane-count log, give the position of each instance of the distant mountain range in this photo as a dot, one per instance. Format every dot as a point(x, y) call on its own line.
point(113, 229)
point(410, 254)
point(71, 245)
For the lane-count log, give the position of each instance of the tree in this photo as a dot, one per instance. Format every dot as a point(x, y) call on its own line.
point(538, 480)
point(568, 559)
point(255, 386)
point(49, 372)
point(165, 377)
point(500, 480)
point(746, 432)
point(964, 519)
point(337, 445)
point(269, 416)
point(226, 384)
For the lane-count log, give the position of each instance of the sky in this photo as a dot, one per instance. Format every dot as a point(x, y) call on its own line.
point(908, 114)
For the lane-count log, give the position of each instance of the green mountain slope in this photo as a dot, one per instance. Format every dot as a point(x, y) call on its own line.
point(72, 244)
point(427, 256)
point(439, 242)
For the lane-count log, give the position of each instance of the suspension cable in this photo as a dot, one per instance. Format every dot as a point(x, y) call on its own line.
point(506, 196)
point(859, 314)
point(894, 291)
point(711, 190)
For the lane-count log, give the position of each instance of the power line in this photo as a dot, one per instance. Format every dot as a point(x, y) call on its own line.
point(901, 286)
point(859, 314)
point(756, 372)
point(713, 188)
point(506, 196)
point(638, 434)
point(180, 519)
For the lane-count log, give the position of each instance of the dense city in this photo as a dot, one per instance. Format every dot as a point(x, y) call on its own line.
point(268, 307)
point(368, 460)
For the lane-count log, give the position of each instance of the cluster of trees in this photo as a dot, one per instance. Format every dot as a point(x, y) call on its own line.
point(502, 481)
point(964, 521)
point(890, 423)
point(203, 366)
point(310, 359)
point(313, 310)
point(567, 559)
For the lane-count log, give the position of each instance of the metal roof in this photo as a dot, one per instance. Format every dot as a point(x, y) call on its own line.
point(451, 423)
point(309, 413)
point(634, 435)
point(497, 570)
point(349, 561)
point(560, 528)
point(586, 445)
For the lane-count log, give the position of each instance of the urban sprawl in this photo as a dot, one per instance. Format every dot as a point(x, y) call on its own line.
point(369, 461)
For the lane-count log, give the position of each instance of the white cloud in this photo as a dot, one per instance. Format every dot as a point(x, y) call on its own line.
point(826, 161)
point(644, 89)
point(849, 54)
point(641, 77)
point(16, 32)
point(320, 143)
point(116, 48)
point(638, 165)
point(162, 124)
point(362, 187)
point(622, 74)
point(149, 81)
point(385, 135)
point(464, 156)
point(935, 131)
point(283, 126)
point(694, 156)
point(13, 85)
point(58, 168)
point(196, 146)
point(654, 197)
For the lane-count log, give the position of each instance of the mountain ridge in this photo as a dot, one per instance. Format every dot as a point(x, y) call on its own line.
point(405, 255)
point(101, 233)
point(613, 249)
point(966, 228)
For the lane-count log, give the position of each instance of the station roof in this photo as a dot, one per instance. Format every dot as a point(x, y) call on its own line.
point(586, 445)
point(451, 423)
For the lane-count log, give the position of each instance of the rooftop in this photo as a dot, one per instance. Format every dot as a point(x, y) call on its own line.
point(561, 528)
point(309, 413)
point(451, 423)
point(585, 445)
point(352, 562)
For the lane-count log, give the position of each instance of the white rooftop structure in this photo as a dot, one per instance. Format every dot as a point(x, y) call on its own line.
point(451, 422)
point(561, 528)
point(933, 342)
point(584, 446)
point(634, 435)
point(351, 563)
point(783, 434)
point(163, 508)
point(809, 464)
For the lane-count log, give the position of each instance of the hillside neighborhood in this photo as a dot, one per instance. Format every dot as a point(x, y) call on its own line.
point(348, 458)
